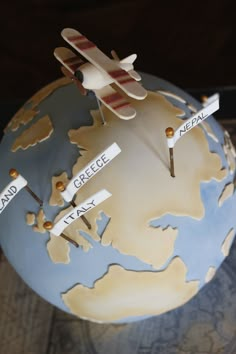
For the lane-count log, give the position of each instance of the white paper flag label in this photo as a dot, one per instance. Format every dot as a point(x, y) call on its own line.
point(10, 191)
point(92, 168)
point(78, 211)
point(212, 105)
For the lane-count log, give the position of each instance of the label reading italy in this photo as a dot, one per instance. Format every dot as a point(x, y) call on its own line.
point(10, 191)
point(80, 210)
point(210, 108)
point(92, 168)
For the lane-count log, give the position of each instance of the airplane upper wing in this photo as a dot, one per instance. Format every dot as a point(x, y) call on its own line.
point(115, 102)
point(104, 63)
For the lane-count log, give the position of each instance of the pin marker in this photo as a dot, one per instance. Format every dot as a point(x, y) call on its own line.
point(170, 134)
point(48, 225)
point(204, 98)
point(14, 174)
point(100, 110)
point(61, 187)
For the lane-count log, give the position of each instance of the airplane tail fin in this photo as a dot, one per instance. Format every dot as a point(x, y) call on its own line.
point(130, 59)
point(127, 64)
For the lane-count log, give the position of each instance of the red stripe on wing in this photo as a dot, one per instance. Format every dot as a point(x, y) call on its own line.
point(76, 38)
point(114, 97)
point(81, 42)
point(117, 73)
point(126, 81)
point(85, 45)
point(124, 104)
point(73, 67)
point(73, 60)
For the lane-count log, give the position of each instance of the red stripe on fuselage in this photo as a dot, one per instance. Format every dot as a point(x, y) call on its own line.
point(126, 81)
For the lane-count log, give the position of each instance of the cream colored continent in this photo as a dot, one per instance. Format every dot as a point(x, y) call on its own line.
point(30, 219)
point(40, 218)
point(48, 90)
point(139, 178)
point(210, 274)
point(23, 116)
point(56, 198)
point(226, 193)
point(83, 242)
point(230, 153)
point(227, 242)
point(37, 133)
point(58, 248)
point(122, 293)
point(36, 221)
point(154, 247)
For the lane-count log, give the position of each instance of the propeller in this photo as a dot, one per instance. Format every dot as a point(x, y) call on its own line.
point(75, 79)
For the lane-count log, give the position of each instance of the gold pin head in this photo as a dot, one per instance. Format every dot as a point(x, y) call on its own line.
point(60, 186)
point(48, 225)
point(170, 132)
point(13, 173)
point(204, 98)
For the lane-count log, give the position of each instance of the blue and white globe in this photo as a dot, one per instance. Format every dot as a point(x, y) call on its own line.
point(156, 241)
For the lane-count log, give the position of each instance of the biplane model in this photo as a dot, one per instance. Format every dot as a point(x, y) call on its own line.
point(100, 72)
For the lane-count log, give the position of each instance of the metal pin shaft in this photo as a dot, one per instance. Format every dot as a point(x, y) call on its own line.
point(85, 220)
point(48, 225)
point(61, 187)
point(101, 112)
point(14, 174)
point(170, 134)
point(34, 195)
point(172, 168)
point(69, 240)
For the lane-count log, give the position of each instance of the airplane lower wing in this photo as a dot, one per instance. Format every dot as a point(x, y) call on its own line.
point(68, 59)
point(115, 102)
point(135, 75)
point(104, 63)
point(70, 62)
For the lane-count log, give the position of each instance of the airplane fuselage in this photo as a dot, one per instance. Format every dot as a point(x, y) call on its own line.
point(93, 78)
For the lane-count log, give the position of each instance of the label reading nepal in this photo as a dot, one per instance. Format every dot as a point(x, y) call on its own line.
point(10, 191)
point(90, 170)
point(210, 108)
point(80, 210)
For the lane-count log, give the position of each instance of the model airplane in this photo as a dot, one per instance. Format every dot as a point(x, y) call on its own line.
point(100, 72)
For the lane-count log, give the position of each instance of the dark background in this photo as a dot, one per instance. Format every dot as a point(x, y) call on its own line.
point(191, 44)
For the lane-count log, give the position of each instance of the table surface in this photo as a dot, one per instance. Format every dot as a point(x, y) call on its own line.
point(206, 324)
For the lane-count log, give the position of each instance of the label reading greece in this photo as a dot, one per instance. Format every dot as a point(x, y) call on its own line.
point(210, 108)
point(80, 210)
point(10, 191)
point(90, 170)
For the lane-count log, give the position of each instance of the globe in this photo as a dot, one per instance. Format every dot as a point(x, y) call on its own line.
point(154, 241)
